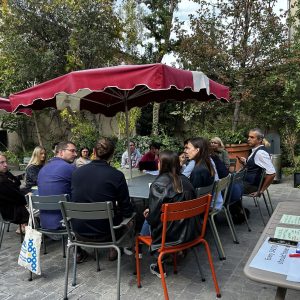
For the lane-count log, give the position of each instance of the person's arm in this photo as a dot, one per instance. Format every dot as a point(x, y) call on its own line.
point(31, 176)
point(189, 168)
point(267, 181)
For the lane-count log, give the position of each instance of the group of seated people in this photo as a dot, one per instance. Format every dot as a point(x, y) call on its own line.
point(95, 180)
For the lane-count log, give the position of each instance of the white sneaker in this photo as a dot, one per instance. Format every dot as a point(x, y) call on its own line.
point(154, 269)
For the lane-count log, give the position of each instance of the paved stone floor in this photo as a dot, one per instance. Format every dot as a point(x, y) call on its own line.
point(185, 285)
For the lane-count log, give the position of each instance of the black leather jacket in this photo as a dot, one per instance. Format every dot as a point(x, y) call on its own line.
point(162, 191)
point(12, 201)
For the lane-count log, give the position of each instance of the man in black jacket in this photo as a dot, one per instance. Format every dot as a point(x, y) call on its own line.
point(99, 182)
point(12, 201)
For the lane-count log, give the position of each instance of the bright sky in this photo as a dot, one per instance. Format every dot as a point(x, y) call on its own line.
point(187, 7)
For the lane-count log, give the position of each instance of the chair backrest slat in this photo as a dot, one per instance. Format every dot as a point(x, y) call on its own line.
point(88, 211)
point(221, 185)
point(184, 210)
point(48, 202)
point(205, 190)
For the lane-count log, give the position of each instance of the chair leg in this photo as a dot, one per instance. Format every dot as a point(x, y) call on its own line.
point(30, 276)
point(63, 241)
point(198, 263)
point(161, 271)
point(118, 272)
point(74, 266)
point(258, 205)
point(97, 259)
point(8, 225)
point(2, 232)
point(267, 206)
point(67, 273)
point(231, 225)
point(174, 263)
point(212, 268)
point(217, 238)
point(271, 205)
point(44, 244)
point(21, 233)
point(137, 263)
point(246, 219)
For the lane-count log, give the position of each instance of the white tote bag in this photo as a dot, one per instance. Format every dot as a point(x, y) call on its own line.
point(30, 251)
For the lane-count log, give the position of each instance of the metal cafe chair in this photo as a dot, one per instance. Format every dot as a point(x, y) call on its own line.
point(256, 199)
point(2, 229)
point(220, 186)
point(236, 178)
point(93, 211)
point(173, 212)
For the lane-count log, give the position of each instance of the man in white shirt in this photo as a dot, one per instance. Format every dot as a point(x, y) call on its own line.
point(258, 160)
point(135, 157)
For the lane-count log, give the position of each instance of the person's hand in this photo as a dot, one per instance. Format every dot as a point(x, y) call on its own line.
point(146, 212)
point(256, 194)
point(242, 159)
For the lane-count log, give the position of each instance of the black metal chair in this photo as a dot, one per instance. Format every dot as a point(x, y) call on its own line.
point(93, 211)
point(236, 178)
point(47, 203)
point(256, 198)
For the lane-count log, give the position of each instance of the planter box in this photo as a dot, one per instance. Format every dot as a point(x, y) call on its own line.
point(235, 150)
point(297, 179)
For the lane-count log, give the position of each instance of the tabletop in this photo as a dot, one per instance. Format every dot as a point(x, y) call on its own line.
point(139, 186)
point(279, 280)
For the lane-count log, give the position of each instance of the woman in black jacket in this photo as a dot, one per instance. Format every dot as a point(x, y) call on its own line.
point(12, 201)
point(170, 186)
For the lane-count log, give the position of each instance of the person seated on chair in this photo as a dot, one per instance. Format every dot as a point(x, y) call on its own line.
point(190, 163)
point(12, 200)
point(99, 182)
point(170, 186)
point(258, 160)
point(152, 154)
point(218, 148)
point(55, 179)
point(135, 156)
point(84, 157)
point(36, 162)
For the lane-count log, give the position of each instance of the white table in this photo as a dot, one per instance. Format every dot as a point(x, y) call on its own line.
point(276, 279)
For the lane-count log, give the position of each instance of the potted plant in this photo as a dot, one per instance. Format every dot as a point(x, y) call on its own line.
point(235, 144)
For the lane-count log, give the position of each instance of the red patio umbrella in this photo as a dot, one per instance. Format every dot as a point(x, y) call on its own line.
point(6, 106)
point(114, 89)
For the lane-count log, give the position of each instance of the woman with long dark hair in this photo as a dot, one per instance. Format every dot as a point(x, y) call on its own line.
point(203, 173)
point(170, 186)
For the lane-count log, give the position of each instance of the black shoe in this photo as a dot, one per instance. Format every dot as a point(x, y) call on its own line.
point(113, 254)
point(81, 256)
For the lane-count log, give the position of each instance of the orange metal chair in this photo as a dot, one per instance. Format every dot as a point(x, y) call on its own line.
point(172, 212)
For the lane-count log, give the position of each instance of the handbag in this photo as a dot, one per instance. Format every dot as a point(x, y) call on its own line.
point(30, 250)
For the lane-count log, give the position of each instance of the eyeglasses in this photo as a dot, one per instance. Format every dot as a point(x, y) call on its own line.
point(71, 150)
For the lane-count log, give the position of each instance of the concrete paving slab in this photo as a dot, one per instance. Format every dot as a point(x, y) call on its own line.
point(186, 285)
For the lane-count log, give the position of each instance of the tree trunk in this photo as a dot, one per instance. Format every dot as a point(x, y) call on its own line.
point(236, 115)
point(37, 129)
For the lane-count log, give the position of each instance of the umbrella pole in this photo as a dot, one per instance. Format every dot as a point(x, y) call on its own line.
point(127, 135)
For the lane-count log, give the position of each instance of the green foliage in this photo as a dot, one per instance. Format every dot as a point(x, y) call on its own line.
point(11, 157)
point(133, 116)
point(83, 133)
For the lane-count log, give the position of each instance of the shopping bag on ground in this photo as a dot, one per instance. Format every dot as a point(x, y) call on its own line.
point(30, 251)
